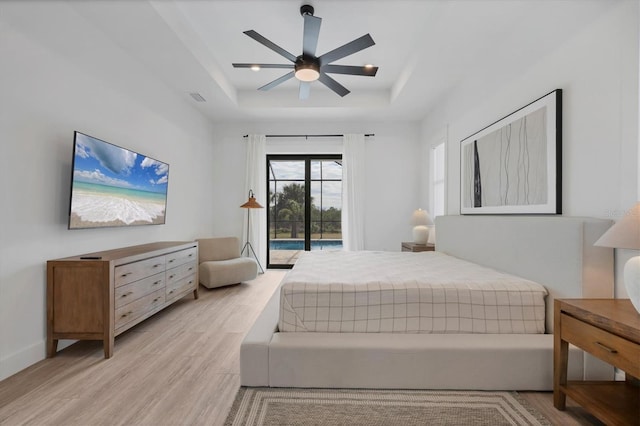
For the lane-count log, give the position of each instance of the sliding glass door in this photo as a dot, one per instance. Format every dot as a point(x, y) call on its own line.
point(305, 206)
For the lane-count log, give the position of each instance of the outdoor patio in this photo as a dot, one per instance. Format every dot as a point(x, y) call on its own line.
point(284, 257)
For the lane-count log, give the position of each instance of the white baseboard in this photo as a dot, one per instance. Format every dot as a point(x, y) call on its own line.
point(26, 357)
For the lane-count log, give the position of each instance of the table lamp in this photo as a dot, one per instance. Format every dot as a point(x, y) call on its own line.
point(625, 234)
point(420, 221)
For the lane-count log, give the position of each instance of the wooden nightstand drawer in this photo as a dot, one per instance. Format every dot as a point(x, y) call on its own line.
point(610, 348)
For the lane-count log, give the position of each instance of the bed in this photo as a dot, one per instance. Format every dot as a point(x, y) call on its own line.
point(393, 292)
point(332, 338)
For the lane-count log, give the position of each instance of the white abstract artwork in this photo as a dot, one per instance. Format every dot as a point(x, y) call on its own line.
point(513, 166)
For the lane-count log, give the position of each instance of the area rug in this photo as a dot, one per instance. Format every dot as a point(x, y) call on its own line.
point(287, 406)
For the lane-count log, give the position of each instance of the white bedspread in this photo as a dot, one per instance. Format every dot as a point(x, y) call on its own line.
point(402, 292)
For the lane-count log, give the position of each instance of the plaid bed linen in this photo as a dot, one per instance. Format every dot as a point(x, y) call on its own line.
point(402, 292)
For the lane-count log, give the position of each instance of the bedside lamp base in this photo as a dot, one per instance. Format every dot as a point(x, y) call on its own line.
point(420, 234)
point(632, 281)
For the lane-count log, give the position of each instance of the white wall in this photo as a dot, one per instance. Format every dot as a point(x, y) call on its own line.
point(45, 95)
point(394, 183)
point(598, 72)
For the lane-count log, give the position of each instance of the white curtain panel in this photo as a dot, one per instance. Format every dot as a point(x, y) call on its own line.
point(353, 180)
point(255, 180)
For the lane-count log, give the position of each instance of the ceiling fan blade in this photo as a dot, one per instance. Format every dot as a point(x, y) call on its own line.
point(351, 70)
point(271, 45)
point(347, 49)
point(305, 88)
point(277, 81)
point(287, 66)
point(311, 33)
point(333, 85)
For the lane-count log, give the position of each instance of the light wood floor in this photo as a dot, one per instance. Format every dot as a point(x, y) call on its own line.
point(180, 367)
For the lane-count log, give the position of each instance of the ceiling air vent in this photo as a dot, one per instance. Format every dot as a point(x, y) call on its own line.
point(197, 97)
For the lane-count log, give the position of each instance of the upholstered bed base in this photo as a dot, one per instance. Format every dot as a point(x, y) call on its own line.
point(400, 361)
point(453, 361)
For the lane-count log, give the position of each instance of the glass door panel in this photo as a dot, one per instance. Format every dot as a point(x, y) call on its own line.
point(326, 215)
point(305, 206)
point(286, 211)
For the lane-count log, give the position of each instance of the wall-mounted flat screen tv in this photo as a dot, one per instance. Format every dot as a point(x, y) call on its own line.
point(113, 186)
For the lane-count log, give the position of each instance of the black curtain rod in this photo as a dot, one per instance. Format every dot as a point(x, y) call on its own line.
point(310, 136)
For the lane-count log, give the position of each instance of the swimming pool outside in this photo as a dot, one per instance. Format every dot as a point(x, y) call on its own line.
point(280, 244)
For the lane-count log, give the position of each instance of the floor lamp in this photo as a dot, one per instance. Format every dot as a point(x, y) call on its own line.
point(250, 204)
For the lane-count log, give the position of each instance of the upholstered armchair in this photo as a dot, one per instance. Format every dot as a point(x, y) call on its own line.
point(221, 263)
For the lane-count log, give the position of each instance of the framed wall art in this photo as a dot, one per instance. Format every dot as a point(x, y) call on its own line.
point(514, 166)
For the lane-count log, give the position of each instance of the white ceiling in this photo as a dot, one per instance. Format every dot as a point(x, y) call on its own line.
point(426, 50)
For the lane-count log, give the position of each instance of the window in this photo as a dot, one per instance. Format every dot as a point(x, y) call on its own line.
point(438, 180)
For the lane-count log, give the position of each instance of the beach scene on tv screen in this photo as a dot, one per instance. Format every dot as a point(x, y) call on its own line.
point(113, 186)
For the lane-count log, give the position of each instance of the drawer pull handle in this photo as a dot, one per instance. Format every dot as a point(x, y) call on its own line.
point(157, 265)
point(190, 254)
point(191, 269)
point(126, 274)
point(126, 315)
point(171, 276)
point(171, 292)
point(156, 299)
point(127, 294)
point(171, 260)
point(157, 282)
point(607, 348)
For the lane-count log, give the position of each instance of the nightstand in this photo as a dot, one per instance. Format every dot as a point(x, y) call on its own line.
point(608, 329)
point(408, 246)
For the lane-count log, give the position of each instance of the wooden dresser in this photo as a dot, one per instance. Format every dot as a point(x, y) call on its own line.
point(97, 296)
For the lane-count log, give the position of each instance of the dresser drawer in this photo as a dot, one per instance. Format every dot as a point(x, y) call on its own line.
point(180, 272)
point(612, 349)
point(128, 293)
point(181, 257)
point(181, 287)
point(125, 274)
point(137, 308)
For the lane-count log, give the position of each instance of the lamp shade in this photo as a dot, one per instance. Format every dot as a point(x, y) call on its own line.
point(251, 202)
point(625, 233)
point(420, 218)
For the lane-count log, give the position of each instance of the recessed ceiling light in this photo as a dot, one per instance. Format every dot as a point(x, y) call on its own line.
point(255, 68)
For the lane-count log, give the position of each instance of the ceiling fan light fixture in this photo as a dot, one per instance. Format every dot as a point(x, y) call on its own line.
point(309, 67)
point(307, 73)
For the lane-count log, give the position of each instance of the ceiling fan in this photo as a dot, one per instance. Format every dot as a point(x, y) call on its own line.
point(308, 67)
